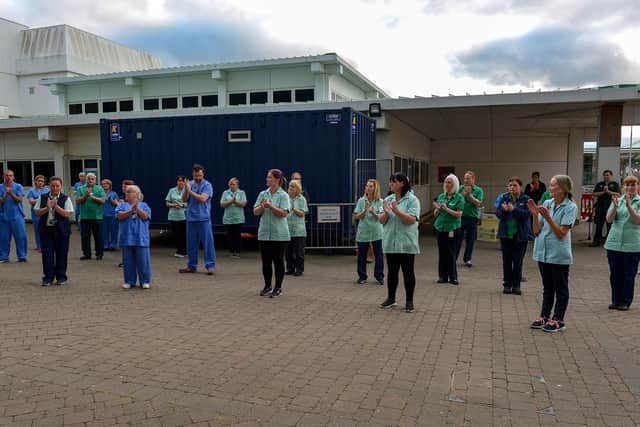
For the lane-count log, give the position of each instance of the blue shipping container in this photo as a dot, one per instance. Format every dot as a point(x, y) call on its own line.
point(322, 145)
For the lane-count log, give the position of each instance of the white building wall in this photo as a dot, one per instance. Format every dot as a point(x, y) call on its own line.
point(341, 86)
point(399, 139)
point(9, 44)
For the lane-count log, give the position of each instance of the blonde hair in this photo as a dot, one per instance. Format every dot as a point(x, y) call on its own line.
point(296, 184)
point(234, 179)
point(630, 179)
point(135, 188)
point(376, 189)
point(108, 181)
point(456, 183)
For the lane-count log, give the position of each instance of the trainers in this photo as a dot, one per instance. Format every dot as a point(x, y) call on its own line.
point(468, 264)
point(61, 282)
point(554, 326)
point(85, 257)
point(22, 260)
point(441, 280)
point(380, 282)
point(516, 291)
point(265, 292)
point(613, 306)
point(46, 283)
point(146, 286)
point(454, 282)
point(177, 255)
point(387, 303)
point(623, 307)
point(210, 271)
point(361, 281)
point(539, 322)
point(235, 256)
point(409, 308)
point(186, 270)
point(276, 293)
point(506, 289)
point(288, 273)
point(297, 274)
point(126, 286)
point(4, 261)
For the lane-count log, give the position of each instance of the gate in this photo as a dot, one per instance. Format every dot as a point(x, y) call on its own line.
point(330, 226)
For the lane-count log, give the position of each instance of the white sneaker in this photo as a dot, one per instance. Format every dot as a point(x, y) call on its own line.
point(177, 255)
point(146, 286)
point(126, 286)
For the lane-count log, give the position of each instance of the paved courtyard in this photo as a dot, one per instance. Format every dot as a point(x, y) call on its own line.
point(200, 350)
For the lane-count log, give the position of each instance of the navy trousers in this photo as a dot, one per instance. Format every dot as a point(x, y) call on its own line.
point(623, 267)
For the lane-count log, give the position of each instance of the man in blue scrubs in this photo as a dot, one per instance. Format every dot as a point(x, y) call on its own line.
point(12, 219)
point(197, 194)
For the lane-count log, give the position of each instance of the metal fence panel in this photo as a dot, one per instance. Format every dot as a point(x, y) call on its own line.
point(337, 234)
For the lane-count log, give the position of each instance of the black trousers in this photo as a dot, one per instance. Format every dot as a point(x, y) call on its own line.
point(555, 281)
point(447, 253)
point(599, 220)
point(272, 259)
point(90, 227)
point(234, 236)
point(179, 231)
point(394, 263)
point(295, 254)
point(512, 256)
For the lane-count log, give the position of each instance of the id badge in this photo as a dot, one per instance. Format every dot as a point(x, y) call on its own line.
point(451, 234)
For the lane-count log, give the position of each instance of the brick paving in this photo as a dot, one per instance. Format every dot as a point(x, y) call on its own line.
point(208, 351)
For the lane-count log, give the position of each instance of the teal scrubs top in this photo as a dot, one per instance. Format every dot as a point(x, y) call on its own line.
point(175, 196)
point(233, 214)
point(369, 228)
point(133, 230)
point(297, 227)
point(400, 238)
point(273, 227)
point(624, 235)
point(547, 247)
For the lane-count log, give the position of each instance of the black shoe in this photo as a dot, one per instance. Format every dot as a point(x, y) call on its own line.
point(454, 282)
point(380, 282)
point(276, 293)
point(265, 292)
point(409, 308)
point(288, 273)
point(506, 289)
point(120, 265)
point(361, 281)
point(297, 273)
point(516, 291)
point(468, 264)
point(539, 322)
point(623, 307)
point(441, 280)
point(613, 306)
point(99, 257)
point(594, 245)
point(84, 257)
point(387, 303)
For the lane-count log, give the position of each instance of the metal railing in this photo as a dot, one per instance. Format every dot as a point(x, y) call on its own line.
point(329, 226)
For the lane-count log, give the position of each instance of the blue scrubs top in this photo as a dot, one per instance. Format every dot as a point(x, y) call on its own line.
point(133, 230)
point(108, 210)
point(11, 209)
point(35, 194)
point(198, 211)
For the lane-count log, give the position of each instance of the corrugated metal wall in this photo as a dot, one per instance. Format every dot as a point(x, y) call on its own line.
point(322, 145)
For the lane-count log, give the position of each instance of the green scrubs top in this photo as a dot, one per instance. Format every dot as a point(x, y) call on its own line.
point(624, 235)
point(273, 227)
point(91, 209)
point(297, 227)
point(446, 222)
point(470, 209)
point(400, 238)
point(369, 228)
point(233, 214)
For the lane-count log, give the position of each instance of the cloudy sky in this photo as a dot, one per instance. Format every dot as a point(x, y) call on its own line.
point(407, 47)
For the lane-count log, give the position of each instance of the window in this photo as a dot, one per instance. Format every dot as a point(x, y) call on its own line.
point(91, 108)
point(258, 98)
point(21, 172)
point(48, 169)
point(169, 103)
point(304, 95)
point(75, 167)
point(424, 173)
point(237, 99)
point(75, 108)
point(238, 136)
point(209, 100)
point(83, 165)
point(109, 107)
point(32, 90)
point(151, 104)
point(126, 105)
point(189, 102)
point(280, 96)
point(416, 170)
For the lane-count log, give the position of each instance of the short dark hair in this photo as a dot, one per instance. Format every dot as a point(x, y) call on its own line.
point(181, 178)
point(535, 173)
point(55, 178)
point(607, 171)
point(400, 177)
point(197, 168)
point(515, 179)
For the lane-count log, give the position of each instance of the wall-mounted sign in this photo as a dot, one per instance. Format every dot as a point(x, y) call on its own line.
point(114, 130)
point(333, 118)
point(328, 214)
